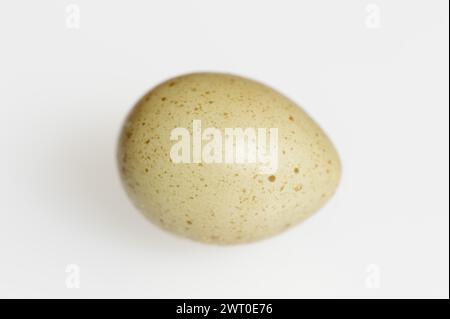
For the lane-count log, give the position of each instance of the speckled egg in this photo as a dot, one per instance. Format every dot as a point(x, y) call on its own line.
point(185, 170)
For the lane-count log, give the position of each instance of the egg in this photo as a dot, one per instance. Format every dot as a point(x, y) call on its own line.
point(223, 159)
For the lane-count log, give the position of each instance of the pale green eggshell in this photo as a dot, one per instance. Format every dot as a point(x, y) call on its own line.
point(224, 203)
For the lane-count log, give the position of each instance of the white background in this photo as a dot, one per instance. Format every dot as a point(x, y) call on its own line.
point(381, 94)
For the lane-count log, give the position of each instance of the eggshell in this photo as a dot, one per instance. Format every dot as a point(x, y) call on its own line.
point(224, 203)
